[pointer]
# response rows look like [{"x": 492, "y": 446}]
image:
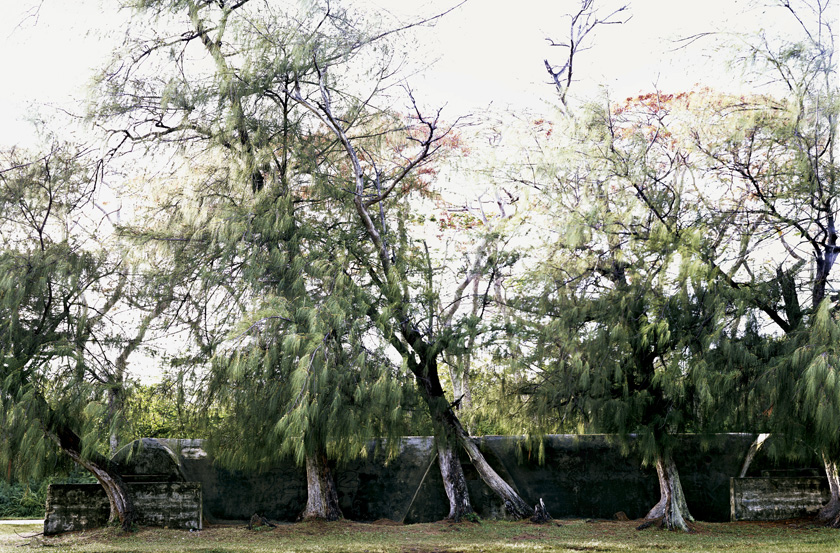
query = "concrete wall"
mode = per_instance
[
  {"x": 79, "y": 506},
  {"x": 777, "y": 498},
  {"x": 582, "y": 476}
]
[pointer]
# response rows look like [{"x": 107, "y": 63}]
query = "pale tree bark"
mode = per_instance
[
  {"x": 671, "y": 511},
  {"x": 321, "y": 496},
  {"x": 830, "y": 512},
  {"x": 454, "y": 482},
  {"x": 753, "y": 451},
  {"x": 460, "y": 365},
  {"x": 116, "y": 391}
]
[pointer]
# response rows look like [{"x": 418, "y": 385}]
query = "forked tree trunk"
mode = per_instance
[
  {"x": 515, "y": 506},
  {"x": 321, "y": 494},
  {"x": 830, "y": 513},
  {"x": 672, "y": 511},
  {"x": 446, "y": 421},
  {"x": 454, "y": 481}
]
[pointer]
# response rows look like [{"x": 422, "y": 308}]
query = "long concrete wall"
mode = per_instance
[{"x": 581, "y": 476}]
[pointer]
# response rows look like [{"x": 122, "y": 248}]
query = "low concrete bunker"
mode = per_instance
[{"x": 81, "y": 506}]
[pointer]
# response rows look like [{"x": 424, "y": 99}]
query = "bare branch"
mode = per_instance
[{"x": 582, "y": 23}]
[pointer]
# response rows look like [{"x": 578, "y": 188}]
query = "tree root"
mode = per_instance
[
  {"x": 541, "y": 515},
  {"x": 658, "y": 522},
  {"x": 257, "y": 521}
]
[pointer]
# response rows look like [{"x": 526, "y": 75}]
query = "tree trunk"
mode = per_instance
[
  {"x": 114, "y": 407},
  {"x": 830, "y": 513},
  {"x": 122, "y": 507},
  {"x": 454, "y": 481},
  {"x": 672, "y": 510},
  {"x": 447, "y": 421},
  {"x": 105, "y": 472},
  {"x": 515, "y": 506},
  {"x": 321, "y": 493},
  {"x": 753, "y": 451}
]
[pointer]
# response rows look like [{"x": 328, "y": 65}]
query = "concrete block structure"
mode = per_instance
[
  {"x": 82, "y": 506},
  {"x": 777, "y": 498}
]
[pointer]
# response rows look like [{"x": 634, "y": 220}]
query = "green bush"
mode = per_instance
[
  {"x": 23, "y": 500},
  {"x": 27, "y": 500}
]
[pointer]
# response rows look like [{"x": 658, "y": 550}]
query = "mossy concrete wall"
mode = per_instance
[
  {"x": 73, "y": 507},
  {"x": 579, "y": 476},
  {"x": 777, "y": 498}
]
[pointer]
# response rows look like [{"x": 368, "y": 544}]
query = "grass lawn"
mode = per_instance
[{"x": 488, "y": 537}]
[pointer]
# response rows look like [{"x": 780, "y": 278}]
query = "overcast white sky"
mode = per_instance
[{"x": 487, "y": 50}]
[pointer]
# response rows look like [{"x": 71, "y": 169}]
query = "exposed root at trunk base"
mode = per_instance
[
  {"x": 671, "y": 511},
  {"x": 662, "y": 525},
  {"x": 830, "y": 513},
  {"x": 541, "y": 515}
]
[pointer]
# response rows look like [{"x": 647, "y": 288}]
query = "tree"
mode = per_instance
[
  {"x": 620, "y": 308},
  {"x": 777, "y": 158},
  {"x": 385, "y": 257},
  {"x": 55, "y": 297},
  {"x": 250, "y": 114}
]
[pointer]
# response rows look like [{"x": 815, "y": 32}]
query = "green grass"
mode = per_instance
[{"x": 485, "y": 537}]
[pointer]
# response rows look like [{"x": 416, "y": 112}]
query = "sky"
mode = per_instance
[{"x": 485, "y": 52}]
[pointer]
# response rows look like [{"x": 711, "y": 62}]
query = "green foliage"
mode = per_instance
[
  {"x": 276, "y": 298},
  {"x": 22, "y": 501},
  {"x": 47, "y": 317},
  {"x": 161, "y": 410}
]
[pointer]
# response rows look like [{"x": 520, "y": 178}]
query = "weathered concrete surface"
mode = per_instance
[
  {"x": 79, "y": 506},
  {"x": 584, "y": 476},
  {"x": 380, "y": 487},
  {"x": 228, "y": 495},
  {"x": 777, "y": 498},
  {"x": 75, "y": 507}
]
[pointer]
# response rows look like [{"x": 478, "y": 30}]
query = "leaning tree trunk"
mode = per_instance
[
  {"x": 515, "y": 506},
  {"x": 428, "y": 382},
  {"x": 122, "y": 507},
  {"x": 454, "y": 481},
  {"x": 321, "y": 493},
  {"x": 752, "y": 452},
  {"x": 672, "y": 511},
  {"x": 830, "y": 513}
]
